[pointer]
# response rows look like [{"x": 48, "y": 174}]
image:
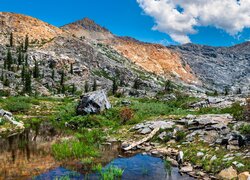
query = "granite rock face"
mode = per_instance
[{"x": 219, "y": 67}]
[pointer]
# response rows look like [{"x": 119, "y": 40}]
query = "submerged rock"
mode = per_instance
[{"x": 93, "y": 103}]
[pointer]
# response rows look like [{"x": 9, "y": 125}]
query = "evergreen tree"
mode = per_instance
[
  {"x": 9, "y": 60},
  {"x": 86, "y": 87},
  {"x": 26, "y": 43},
  {"x": 36, "y": 72},
  {"x": 94, "y": 85},
  {"x": 136, "y": 84},
  {"x": 71, "y": 69},
  {"x": 19, "y": 58},
  {"x": 226, "y": 91},
  {"x": 27, "y": 83},
  {"x": 114, "y": 86},
  {"x": 168, "y": 86},
  {"x": 62, "y": 78},
  {"x": 73, "y": 90},
  {"x": 239, "y": 91},
  {"x": 215, "y": 93},
  {"x": 5, "y": 64},
  {"x": 23, "y": 73},
  {"x": 6, "y": 82},
  {"x": 53, "y": 74},
  {"x": 2, "y": 76},
  {"x": 11, "y": 39},
  {"x": 63, "y": 89},
  {"x": 26, "y": 60}
]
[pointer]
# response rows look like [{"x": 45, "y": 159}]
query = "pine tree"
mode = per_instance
[
  {"x": 11, "y": 39},
  {"x": 9, "y": 60},
  {"x": 168, "y": 86},
  {"x": 53, "y": 74},
  {"x": 73, "y": 89},
  {"x": 19, "y": 58},
  {"x": 239, "y": 91},
  {"x": 6, "y": 82},
  {"x": 26, "y": 60},
  {"x": 2, "y": 76},
  {"x": 114, "y": 86},
  {"x": 226, "y": 91},
  {"x": 27, "y": 83},
  {"x": 5, "y": 64},
  {"x": 94, "y": 85},
  {"x": 86, "y": 87},
  {"x": 36, "y": 72},
  {"x": 136, "y": 84},
  {"x": 71, "y": 69},
  {"x": 26, "y": 43},
  {"x": 23, "y": 73},
  {"x": 62, "y": 78}
]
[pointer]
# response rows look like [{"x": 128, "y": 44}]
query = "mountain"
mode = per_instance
[
  {"x": 219, "y": 67},
  {"x": 87, "y": 28},
  {"x": 215, "y": 68},
  {"x": 153, "y": 58},
  {"x": 84, "y": 51},
  {"x": 65, "y": 61},
  {"x": 39, "y": 32}
]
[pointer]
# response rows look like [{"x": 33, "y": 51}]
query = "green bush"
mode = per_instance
[
  {"x": 245, "y": 129},
  {"x": 180, "y": 135},
  {"x": 17, "y": 105}
]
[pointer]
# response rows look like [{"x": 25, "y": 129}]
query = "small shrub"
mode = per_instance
[
  {"x": 247, "y": 110},
  {"x": 17, "y": 105},
  {"x": 126, "y": 114},
  {"x": 245, "y": 129},
  {"x": 180, "y": 135}
]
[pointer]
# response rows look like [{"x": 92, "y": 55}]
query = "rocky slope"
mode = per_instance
[
  {"x": 153, "y": 58},
  {"x": 95, "y": 53},
  {"x": 50, "y": 45},
  {"x": 39, "y": 32},
  {"x": 219, "y": 67}
]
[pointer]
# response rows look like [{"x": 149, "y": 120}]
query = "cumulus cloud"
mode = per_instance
[{"x": 179, "y": 18}]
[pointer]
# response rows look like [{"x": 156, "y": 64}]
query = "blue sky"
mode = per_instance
[{"x": 122, "y": 17}]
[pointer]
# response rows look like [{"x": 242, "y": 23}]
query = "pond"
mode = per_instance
[
  {"x": 138, "y": 167},
  {"x": 27, "y": 156}
]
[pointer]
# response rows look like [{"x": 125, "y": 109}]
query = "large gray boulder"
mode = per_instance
[{"x": 93, "y": 103}]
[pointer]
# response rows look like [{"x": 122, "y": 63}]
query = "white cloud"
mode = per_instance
[{"x": 178, "y": 18}]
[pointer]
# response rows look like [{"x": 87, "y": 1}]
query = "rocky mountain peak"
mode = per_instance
[{"x": 21, "y": 25}]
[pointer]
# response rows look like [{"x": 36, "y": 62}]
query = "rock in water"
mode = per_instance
[
  {"x": 179, "y": 157},
  {"x": 93, "y": 103}
]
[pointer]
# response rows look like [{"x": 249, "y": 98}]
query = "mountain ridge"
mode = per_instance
[{"x": 199, "y": 65}]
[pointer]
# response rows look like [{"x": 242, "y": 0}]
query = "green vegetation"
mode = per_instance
[
  {"x": 168, "y": 166},
  {"x": 245, "y": 129},
  {"x": 207, "y": 163},
  {"x": 109, "y": 173}
]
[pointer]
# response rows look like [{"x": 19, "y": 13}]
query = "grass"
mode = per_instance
[
  {"x": 109, "y": 173},
  {"x": 245, "y": 129},
  {"x": 72, "y": 149},
  {"x": 168, "y": 166},
  {"x": 215, "y": 166}
]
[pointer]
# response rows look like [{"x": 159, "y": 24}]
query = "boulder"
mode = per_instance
[
  {"x": 244, "y": 176},
  {"x": 186, "y": 169},
  {"x": 93, "y": 103},
  {"x": 229, "y": 173},
  {"x": 5, "y": 115}
]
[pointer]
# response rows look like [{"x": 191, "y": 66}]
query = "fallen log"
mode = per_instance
[{"x": 150, "y": 136}]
